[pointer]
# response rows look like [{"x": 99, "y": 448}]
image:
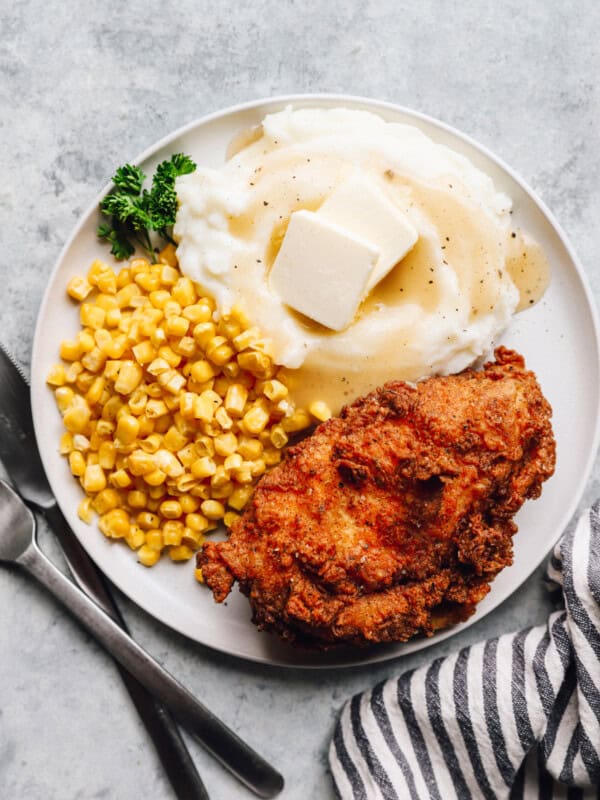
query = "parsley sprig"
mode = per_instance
[{"x": 134, "y": 211}]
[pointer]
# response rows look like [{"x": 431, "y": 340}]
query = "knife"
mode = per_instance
[{"x": 20, "y": 456}]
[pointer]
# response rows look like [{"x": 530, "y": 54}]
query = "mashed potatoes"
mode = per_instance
[{"x": 439, "y": 308}]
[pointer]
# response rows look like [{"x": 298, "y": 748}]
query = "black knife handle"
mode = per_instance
[{"x": 160, "y": 725}]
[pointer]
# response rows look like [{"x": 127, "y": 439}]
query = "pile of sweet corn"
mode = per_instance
[{"x": 171, "y": 411}]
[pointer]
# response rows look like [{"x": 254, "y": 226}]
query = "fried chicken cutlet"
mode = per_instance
[{"x": 392, "y": 520}]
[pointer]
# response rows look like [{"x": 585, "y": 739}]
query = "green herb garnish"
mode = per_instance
[{"x": 134, "y": 212}]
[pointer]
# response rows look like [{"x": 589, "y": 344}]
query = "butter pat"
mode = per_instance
[
  {"x": 322, "y": 270},
  {"x": 358, "y": 205}
]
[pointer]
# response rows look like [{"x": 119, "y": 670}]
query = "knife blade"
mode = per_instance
[{"x": 21, "y": 459}]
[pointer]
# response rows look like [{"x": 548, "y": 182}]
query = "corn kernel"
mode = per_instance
[
  {"x": 64, "y": 396},
  {"x": 218, "y": 350},
  {"x": 108, "y": 302},
  {"x": 147, "y": 556},
  {"x": 171, "y": 381},
  {"x": 239, "y": 497},
  {"x": 229, "y": 518},
  {"x": 172, "y": 309},
  {"x": 155, "y": 409},
  {"x": 77, "y": 417},
  {"x": 130, "y": 376},
  {"x": 96, "y": 268},
  {"x": 120, "y": 479},
  {"x": 104, "y": 427},
  {"x": 205, "y": 405},
  {"x": 225, "y": 444},
  {"x": 278, "y": 436},
  {"x": 94, "y": 393},
  {"x": 94, "y": 479},
  {"x": 148, "y": 281},
  {"x": 275, "y": 390},
  {"x": 113, "y": 318},
  {"x": 258, "y": 364},
  {"x": 154, "y": 539},
  {"x": 246, "y": 339},
  {"x": 235, "y": 399},
  {"x": 86, "y": 341},
  {"x": 107, "y": 281},
  {"x": 170, "y": 509},
  {"x": 185, "y": 346},
  {"x": 168, "y": 275},
  {"x": 159, "y": 297},
  {"x": 155, "y": 478},
  {"x": 249, "y": 448},
  {"x": 56, "y": 376},
  {"x": 173, "y": 440},
  {"x": 192, "y": 538},
  {"x": 84, "y": 510},
  {"x": 231, "y": 369},
  {"x": 180, "y": 553},
  {"x": 168, "y": 463},
  {"x": 183, "y": 292},
  {"x": 203, "y": 332},
  {"x": 78, "y": 288},
  {"x": 272, "y": 457},
  {"x": 135, "y": 538},
  {"x": 202, "y": 371},
  {"x": 297, "y": 422},
  {"x": 105, "y": 501},
  {"x": 173, "y": 532},
  {"x": 258, "y": 467},
  {"x": 189, "y": 504},
  {"x": 255, "y": 420},
  {"x": 177, "y": 326},
  {"x": 197, "y": 522},
  {"x": 143, "y": 352},
  {"x": 66, "y": 443},
  {"x": 81, "y": 443},
  {"x": 91, "y": 316},
  {"x": 244, "y": 473},
  {"x": 115, "y": 523},
  {"x": 198, "y": 575},
  {"x": 203, "y": 467},
  {"x": 107, "y": 455},
  {"x": 140, "y": 463},
  {"x": 320, "y": 410},
  {"x": 137, "y": 499},
  {"x": 198, "y": 312},
  {"x": 232, "y": 462},
  {"x": 200, "y": 490},
  {"x": 146, "y": 520},
  {"x": 84, "y": 381},
  {"x": 73, "y": 371},
  {"x": 77, "y": 463},
  {"x": 70, "y": 350},
  {"x": 128, "y": 428},
  {"x": 213, "y": 509},
  {"x": 223, "y": 419}
]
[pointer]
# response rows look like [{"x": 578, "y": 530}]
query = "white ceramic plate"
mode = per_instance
[{"x": 558, "y": 337}]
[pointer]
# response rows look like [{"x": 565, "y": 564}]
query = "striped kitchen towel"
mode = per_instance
[{"x": 513, "y": 717}]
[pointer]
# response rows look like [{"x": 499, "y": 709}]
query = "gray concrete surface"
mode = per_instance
[{"x": 85, "y": 86}]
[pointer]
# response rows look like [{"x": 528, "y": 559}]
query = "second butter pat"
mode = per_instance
[
  {"x": 360, "y": 206},
  {"x": 322, "y": 270}
]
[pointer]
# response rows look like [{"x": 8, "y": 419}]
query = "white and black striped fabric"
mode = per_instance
[{"x": 513, "y": 717}]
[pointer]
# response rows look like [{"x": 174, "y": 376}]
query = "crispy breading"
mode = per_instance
[{"x": 391, "y": 520}]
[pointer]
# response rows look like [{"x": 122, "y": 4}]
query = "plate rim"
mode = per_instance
[{"x": 374, "y": 105}]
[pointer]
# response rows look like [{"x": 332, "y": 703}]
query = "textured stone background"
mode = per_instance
[{"x": 85, "y": 86}]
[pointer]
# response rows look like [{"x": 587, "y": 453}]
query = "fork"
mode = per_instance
[{"x": 18, "y": 545}]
